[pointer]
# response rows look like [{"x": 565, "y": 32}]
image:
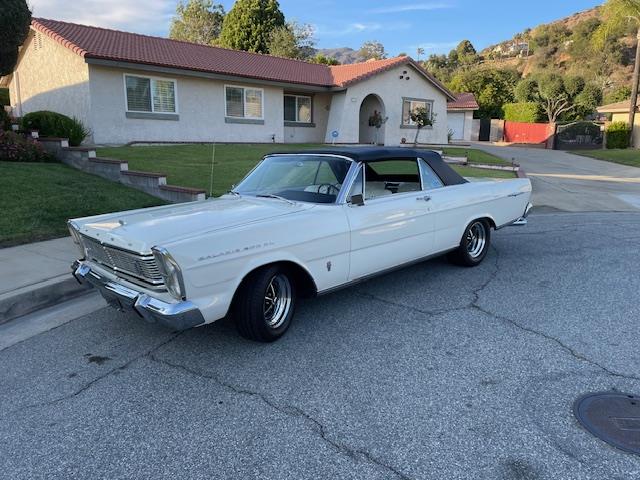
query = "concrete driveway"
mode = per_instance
[
  {"x": 573, "y": 183},
  {"x": 431, "y": 372}
]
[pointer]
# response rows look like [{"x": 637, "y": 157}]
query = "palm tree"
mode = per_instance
[{"x": 617, "y": 12}]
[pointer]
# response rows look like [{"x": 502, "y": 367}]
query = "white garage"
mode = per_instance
[
  {"x": 455, "y": 124},
  {"x": 460, "y": 116}
]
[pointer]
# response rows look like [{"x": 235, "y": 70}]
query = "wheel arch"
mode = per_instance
[
  {"x": 302, "y": 278},
  {"x": 483, "y": 216}
]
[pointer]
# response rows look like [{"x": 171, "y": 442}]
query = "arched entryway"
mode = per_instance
[{"x": 372, "y": 112}]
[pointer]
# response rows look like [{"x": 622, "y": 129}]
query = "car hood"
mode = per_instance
[{"x": 139, "y": 230}]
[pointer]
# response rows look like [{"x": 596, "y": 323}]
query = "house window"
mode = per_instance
[
  {"x": 297, "y": 108},
  {"x": 410, "y": 105},
  {"x": 243, "y": 102},
  {"x": 151, "y": 95}
]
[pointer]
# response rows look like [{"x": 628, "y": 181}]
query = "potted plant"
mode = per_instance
[{"x": 377, "y": 120}]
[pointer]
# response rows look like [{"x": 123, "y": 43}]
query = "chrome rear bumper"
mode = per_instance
[
  {"x": 178, "y": 316},
  {"x": 523, "y": 219}
]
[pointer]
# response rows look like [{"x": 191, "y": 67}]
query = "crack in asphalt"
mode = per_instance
[
  {"x": 475, "y": 305},
  {"x": 290, "y": 411},
  {"x": 97, "y": 379},
  {"x": 574, "y": 353}
]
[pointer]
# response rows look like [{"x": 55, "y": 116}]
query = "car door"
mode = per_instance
[{"x": 392, "y": 225}]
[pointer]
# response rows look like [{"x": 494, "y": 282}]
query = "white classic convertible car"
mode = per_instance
[{"x": 298, "y": 225}]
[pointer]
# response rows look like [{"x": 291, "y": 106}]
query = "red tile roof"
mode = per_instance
[
  {"x": 464, "y": 101},
  {"x": 105, "y": 44}
]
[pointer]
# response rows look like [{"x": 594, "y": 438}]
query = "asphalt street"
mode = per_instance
[{"x": 432, "y": 372}]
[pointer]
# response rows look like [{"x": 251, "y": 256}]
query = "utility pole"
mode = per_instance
[{"x": 634, "y": 90}]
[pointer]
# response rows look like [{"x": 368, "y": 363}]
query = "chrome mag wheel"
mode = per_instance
[
  {"x": 476, "y": 239},
  {"x": 277, "y": 300}
]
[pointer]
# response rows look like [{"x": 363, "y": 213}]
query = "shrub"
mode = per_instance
[
  {"x": 16, "y": 148},
  {"x": 5, "y": 120},
  {"x": 618, "y": 135},
  {"x": 52, "y": 124},
  {"x": 527, "y": 112},
  {"x": 4, "y": 97}
]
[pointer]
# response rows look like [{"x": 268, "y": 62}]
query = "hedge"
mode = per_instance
[
  {"x": 52, "y": 124},
  {"x": 527, "y": 112},
  {"x": 618, "y": 135}
]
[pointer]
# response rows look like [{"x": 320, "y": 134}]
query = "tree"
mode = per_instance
[
  {"x": 616, "y": 12},
  {"x": 292, "y": 41},
  {"x": 558, "y": 96},
  {"x": 422, "y": 118},
  {"x": 466, "y": 53},
  {"x": 587, "y": 100},
  {"x": 197, "y": 21},
  {"x": 249, "y": 24},
  {"x": 492, "y": 87},
  {"x": 619, "y": 94},
  {"x": 320, "y": 58},
  {"x": 372, "y": 50},
  {"x": 15, "y": 18}
]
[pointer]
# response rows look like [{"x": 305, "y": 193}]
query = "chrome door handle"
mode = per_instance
[{"x": 426, "y": 198}]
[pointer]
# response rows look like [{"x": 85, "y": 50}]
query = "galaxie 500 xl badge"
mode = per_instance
[{"x": 236, "y": 250}]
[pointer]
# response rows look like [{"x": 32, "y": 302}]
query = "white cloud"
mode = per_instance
[
  {"x": 358, "y": 27},
  {"x": 140, "y": 16},
  {"x": 412, "y": 7}
]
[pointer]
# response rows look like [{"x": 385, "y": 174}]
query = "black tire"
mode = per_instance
[
  {"x": 251, "y": 312},
  {"x": 474, "y": 245}
]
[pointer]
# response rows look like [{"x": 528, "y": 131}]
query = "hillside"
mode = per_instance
[
  {"x": 565, "y": 45},
  {"x": 344, "y": 55}
]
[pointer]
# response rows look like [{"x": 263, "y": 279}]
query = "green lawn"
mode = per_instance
[
  {"x": 473, "y": 155},
  {"x": 628, "y": 156},
  {"x": 37, "y": 199},
  {"x": 190, "y": 165}
]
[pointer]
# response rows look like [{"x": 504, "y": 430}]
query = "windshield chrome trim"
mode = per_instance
[
  {"x": 349, "y": 179},
  {"x": 342, "y": 195}
]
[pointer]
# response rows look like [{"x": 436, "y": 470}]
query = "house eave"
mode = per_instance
[{"x": 208, "y": 75}]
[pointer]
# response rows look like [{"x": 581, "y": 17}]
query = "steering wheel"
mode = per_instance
[{"x": 328, "y": 187}]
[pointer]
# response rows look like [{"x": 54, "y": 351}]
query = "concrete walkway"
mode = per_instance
[
  {"x": 574, "y": 183},
  {"x": 35, "y": 276}
]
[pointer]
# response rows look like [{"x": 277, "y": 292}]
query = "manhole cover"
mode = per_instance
[{"x": 611, "y": 416}]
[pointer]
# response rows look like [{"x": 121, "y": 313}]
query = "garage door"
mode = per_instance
[{"x": 455, "y": 122}]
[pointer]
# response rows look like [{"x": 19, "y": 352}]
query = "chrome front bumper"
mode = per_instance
[{"x": 178, "y": 316}]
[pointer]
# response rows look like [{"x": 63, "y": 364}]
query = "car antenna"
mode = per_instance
[{"x": 213, "y": 157}]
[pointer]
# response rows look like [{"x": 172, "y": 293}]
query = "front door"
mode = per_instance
[{"x": 394, "y": 225}]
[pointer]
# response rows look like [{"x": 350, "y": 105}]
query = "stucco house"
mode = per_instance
[
  {"x": 127, "y": 87},
  {"x": 460, "y": 116},
  {"x": 620, "y": 113}
]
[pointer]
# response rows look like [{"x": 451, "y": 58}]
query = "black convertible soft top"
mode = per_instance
[{"x": 372, "y": 154}]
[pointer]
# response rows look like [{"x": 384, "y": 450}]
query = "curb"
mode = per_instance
[
  {"x": 41, "y": 295},
  {"x": 520, "y": 173}
]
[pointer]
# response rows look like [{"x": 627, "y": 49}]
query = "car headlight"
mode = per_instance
[
  {"x": 170, "y": 272},
  {"x": 74, "y": 230}
]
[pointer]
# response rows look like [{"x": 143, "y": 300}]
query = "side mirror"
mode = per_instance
[{"x": 357, "y": 200}]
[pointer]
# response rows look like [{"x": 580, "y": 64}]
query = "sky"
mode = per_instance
[{"x": 400, "y": 25}]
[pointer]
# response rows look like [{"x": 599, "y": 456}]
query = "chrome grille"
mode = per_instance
[{"x": 141, "y": 267}]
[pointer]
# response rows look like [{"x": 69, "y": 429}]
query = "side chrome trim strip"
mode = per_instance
[{"x": 384, "y": 272}]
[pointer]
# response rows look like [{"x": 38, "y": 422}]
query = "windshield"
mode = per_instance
[{"x": 306, "y": 178}]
